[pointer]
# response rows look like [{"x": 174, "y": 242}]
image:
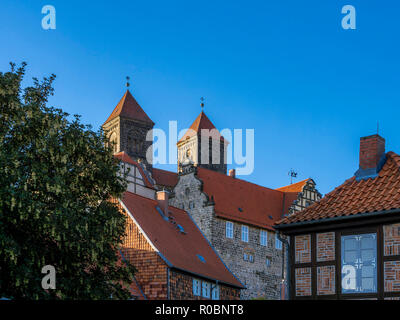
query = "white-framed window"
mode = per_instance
[
  {"x": 245, "y": 257},
  {"x": 251, "y": 258},
  {"x": 359, "y": 263},
  {"x": 196, "y": 287},
  {"x": 263, "y": 238},
  {"x": 278, "y": 243},
  {"x": 206, "y": 289},
  {"x": 215, "y": 292},
  {"x": 245, "y": 233},
  {"x": 229, "y": 229}
]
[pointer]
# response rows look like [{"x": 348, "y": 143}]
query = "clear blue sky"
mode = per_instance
[{"x": 285, "y": 68}]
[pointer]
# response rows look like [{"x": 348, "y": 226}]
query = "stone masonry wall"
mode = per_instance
[
  {"x": 260, "y": 279},
  {"x": 188, "y": 196}
]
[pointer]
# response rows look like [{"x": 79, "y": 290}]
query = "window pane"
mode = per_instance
[
  {"x": 367, "y": 255},
  {"x": 359, "y": 263},
  {"x": 350, "y": 256}
]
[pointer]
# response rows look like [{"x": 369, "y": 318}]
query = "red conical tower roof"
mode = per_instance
[
  {"x": 201, "y": 122},
  {"x": 129, "y": 108}
]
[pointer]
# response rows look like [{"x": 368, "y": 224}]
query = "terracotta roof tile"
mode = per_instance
[
  {"x": 165, "y": 178},
  {"x": 201, "y": 122},
  {"x": 129, "y": 108},
  {"x": 256, "y": 203},
  {"x": 180, "y": 250},
  {"x": 295, "y": 187},
  {"x": 355, "y": 197}
]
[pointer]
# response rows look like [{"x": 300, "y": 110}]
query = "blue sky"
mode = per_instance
[{"x": 287, "y": 69}]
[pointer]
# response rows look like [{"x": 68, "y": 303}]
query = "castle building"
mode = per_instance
[{"x": 235, "y": 216}]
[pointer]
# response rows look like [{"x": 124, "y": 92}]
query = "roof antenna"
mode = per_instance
[
  {"x": 202, "y": 103},
  {"x": 292, "y": 175},
  {"x": 127, "y": 81},
  {"x": 377, "y": 128}
]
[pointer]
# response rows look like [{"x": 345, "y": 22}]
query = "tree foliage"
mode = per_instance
[{"x": 56, "y": 179}]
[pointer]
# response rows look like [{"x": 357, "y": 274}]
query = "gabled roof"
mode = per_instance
[
  {"x": 179, "y": 250},
  {"x": 355, "y": 197},
  {"x": 295, "y": 187},
  {"x": 123, "y": 156},
  {"x": 242, "y": 201},
  {"x": 165, "y": 178},
  {"x": 129, "y": 108},
  {"x": 201, "y": 122}
]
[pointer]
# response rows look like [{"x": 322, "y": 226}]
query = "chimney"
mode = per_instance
[
  {"x": 162, "y": 199},
  {"x": 372, "y": 156},
  {"x": 232, "y": 173}
]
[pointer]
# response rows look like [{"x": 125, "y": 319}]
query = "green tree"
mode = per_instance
[{"x": 56, "y": 180}]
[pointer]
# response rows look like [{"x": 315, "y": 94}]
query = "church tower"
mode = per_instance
[
  {"x": 127, "y": 128},
  {"x": 203, "y": 146}
]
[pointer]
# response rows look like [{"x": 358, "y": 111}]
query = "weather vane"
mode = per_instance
[
  {"x": 127, "y": 81},
  {"x": 292, "y": 175},
  {"x": 202, "y": 103}
]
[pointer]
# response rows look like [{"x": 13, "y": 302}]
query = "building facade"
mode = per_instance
[
  {"x": 347, "y": 246},
  {"x": 172, "y": 257},
  {"x": 235, "y": 216}
]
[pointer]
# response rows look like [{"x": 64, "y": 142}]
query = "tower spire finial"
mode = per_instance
[
  {"x": 202, "y": 103},
  {"x": 127, "y": 81}
]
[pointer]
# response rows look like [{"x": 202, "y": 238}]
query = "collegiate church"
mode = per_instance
[{"x": 199, "y": 232}]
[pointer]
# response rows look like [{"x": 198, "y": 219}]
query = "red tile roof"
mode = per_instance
[
  {"x": 129, "y": 108},
  {"x": 242, "y": 201},
  {"x": 201, "y": 122},
  {"x": 165, "y": 178},
  {"x": 179, "y": 250},
  {"x": 355, "y": 197},
  {"x": 123, "y": 156},
  {"x": 295, "y": 187}
]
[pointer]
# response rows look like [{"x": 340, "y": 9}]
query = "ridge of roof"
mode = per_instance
[
  {"x": 128, "y": 107},
  {"x": 201, "y": 122},
  {"x": 294, "y": 187},
  {"x": 354, "y": 197}
]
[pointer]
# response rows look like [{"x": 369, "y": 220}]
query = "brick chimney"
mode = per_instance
[
  {"x": 372, "y": 156},
  {"x": 162, "y": 199},
  {"x": 232, "y": 173}
]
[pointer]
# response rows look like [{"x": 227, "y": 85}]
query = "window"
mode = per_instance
[
  {"x": 268, "y": 262},
  {"x": 196, "y": 287},
  {"x": 278, "y": 243},
  {"x": 229, "y": 229},
  {"x": 215, "y": 292},
  {"x": 251, "y": 258},
  {"x": 263, "y": 238},
  {"x": 359, "y": 263},
  {"x": 245, "y": 257},
  {"x": 245, "y": 233},
  {"x": 206, "y": 289}
]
